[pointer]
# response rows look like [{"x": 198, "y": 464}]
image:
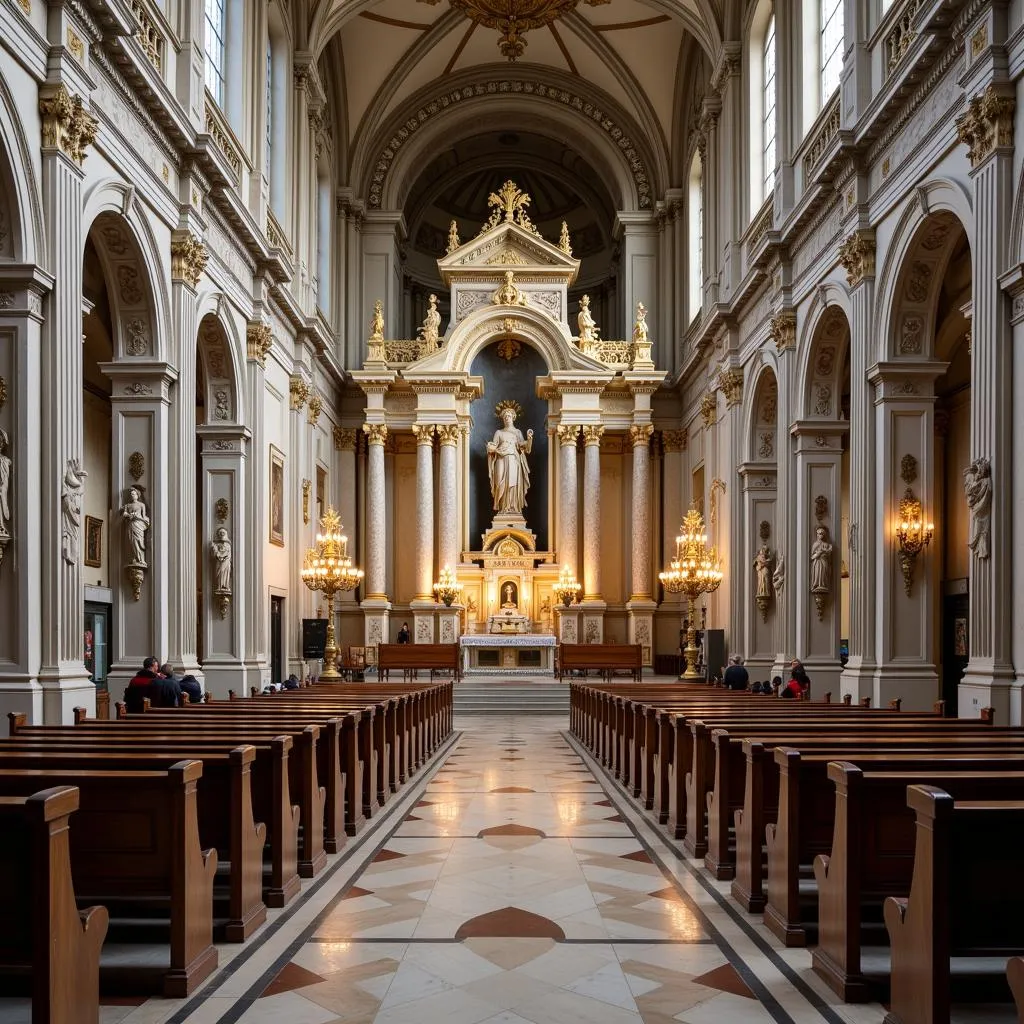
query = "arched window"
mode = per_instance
[
  {"x": 216, "y": 29},
  {"x": 761, "y": 99},
  {"x": 695, "y": 233},
  {"x": 830, "y": 47}
]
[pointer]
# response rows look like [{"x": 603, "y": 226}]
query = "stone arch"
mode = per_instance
[
  {"x": 825, "y": 348},
  {"x": 914, "y": 265},
  {"x": 763, "y": 416},
  {"x": 216, "y": 373},
  {"x": 22, "y": 235},
  {"x": 227, "y": 367},
  {"x": 133, "y": 268}
]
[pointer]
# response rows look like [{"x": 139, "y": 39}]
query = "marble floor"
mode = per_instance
[{"x": 508, "y": 885}]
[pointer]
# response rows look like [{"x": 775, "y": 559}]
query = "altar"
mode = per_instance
[{"x": 528, "y": 654}]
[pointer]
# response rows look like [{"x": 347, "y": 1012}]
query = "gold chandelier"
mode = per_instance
[{"x": 514, "y": 17}]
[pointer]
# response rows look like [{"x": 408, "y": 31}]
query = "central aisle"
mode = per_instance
[{"x": 512, "y": 892}]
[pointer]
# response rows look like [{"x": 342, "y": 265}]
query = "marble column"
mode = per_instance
[
  {"x": 568, "y": 496},
  {"x": 68, "y": 130},
  {"x": 641, "y": 603},
  {"x": 448, "y": 512},
  {"x": 594, "y": 605},
  {"x": 345, "y": 490},
  {"x": 303, "y": 602},
  {"x": 675, "y": 480},
  {"x": 375, "y": 604},
  {"x": 423, "y": 603}
]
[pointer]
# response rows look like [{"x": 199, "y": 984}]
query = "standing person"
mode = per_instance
[
  {"x": 736, "y": 677},
  {"x": 799, "y": 685},
  {"x": 403, "y": 634}
]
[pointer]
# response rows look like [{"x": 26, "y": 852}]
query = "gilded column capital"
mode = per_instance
[
  {"x": 731, "y": 383},
  {"x": 424, "y": 432},
  {"x": 640, "y": 435},
  {"x": 344, "y": 439},
  {"x": 674, "y": 440},
  {"x": 857, "y": 255},
  {"x": 298, "y": 391},
  {"x": 188, "y": 258},
  {"x": 709, "y": 408},
  {"x": 592, "y": 435},
  {"x": 986, "y": 124},
  {"x": 376, "y": 433},
  {"x": 782, "y": 330},
  {"x": 568, "y": 434},
  {"x": 316, "y": 406},
  {"x": 448, "y": 434},
  {"x": 259, "y": 340},
  {"x": 67, "y": 125}
]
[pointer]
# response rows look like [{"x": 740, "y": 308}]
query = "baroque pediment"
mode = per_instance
[{"x": 507, "y": 246}]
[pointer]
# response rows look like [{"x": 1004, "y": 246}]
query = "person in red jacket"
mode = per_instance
[{"x": 799, "y": 685}]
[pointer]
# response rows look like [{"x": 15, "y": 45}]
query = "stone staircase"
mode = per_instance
[{"x": 516, "y": 696}]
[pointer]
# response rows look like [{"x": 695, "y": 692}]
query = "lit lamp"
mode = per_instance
[
  {"x": 913, "y": 535},
  {"x": 567, "y": 588},
  {"x": 328, "y": 569},
  {"x": 447, "y": 588},
  {"x": 695, "y": 570}
]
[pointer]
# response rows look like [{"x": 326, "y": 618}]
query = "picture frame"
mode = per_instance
[
  {"x": 93, "y": 542},
  {"x": 960, "y": 637},
  {"x": 276, "y": 510}
]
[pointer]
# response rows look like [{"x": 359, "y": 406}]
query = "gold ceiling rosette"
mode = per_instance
[{"x": 514, "y": 17}]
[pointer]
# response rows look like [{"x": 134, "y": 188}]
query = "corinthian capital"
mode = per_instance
[
  {"x": 857, "y": 255},
  {"x": 376, "y": 433},
  {"x": 568, "y": 434},
  {"x": 188, "y": 257},
  {"x": 640, "y": 435},
  {"x": 731, "y": 383},
  {"x": 316, "y": 405},
  {"x": 67, "y": 125},
  {"x": 259, "y": 340},
  {"x": 782, "y": 329},
  {"x": 592, "y": 435},
  {"x": 448, "y": 434},
  {"x": 986, "y": 124},
  {"x": 298, "y": 391}
]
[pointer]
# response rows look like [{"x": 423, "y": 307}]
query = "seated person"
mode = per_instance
[
  {"x": 756, "y": 688},
  {"x": 190, "y": 685},
  {"x": 799, "y": 685},
  {"x": 193, "y": 689},
  {"x": 292, "y": 682},
  {"x": 139, "y": 685},
  {"x": 736, "y": 677}
]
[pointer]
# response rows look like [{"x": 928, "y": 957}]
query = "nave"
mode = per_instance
[{"x": 509, "y": 885}]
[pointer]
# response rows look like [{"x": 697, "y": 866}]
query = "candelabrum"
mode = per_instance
[
  {"x": 567, "y": 589},
  {"x": 913, "y": 535},
  {"x": 695, "y": 570},
  {"x": 447, "y": 588},
  {"x": 328, "y": 568}
]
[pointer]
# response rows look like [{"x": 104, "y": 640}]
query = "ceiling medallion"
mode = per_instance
[{"x": 514, "y": 17}]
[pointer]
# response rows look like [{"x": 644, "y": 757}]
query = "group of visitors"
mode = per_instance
[
  {"x": 798, "y": 687},
  {"x": 161, "y": 685}
]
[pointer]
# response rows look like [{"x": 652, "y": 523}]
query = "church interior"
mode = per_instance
[{"x": 431, "y": 430}]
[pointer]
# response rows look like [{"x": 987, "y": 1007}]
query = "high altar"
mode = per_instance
[{"x": 508, "y": 395}]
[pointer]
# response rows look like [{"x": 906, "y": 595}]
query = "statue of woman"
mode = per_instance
[
  {"x": 640, "y": 327},
  {"x": 71, "y": 510},
  {"x": 507, "y": 466},
  {"x": 430, "y": 332},
  {"x": 221, "y": 551},
  {"x": 978, "y": 491},
  {"x": 5, "y": 484},
  {"x": 137, "y": 522},
  {"x": 585, "y": 322},
  {"x": 821, "y": 562},
  {"x": 762, "y": 564}
]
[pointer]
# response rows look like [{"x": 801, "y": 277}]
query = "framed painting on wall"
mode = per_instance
[
  {"x": 93, "y": 541},
  {"x": 276, "y": 496}
]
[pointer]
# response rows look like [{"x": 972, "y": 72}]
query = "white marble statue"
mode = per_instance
[
  {"x": 779, "y": 577},
  {"x": 71, "y": 510},
  {"x": 821, "y": 562},
  {"x": 978, "y": 490},
  {"x": 762, "y": 566},
  {"x": 133, "y": 513},
  {"x": 588, "y": 330},
  {"x": 5, "y": 484},
  {"x": 220, "y": 548},
  {"x": 507, "y": 466}
]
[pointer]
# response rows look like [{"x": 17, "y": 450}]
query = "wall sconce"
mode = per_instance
[{"x": 913, "y": 535}]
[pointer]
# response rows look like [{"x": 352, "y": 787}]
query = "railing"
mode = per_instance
[
  {"x": 821, "y": 142},
  {"x": 759, "y": 228},
  {"x": 901, "y": 35},
  {"x": 218, "y": 130},
  {"x": 150, "y": 37},
  {"x": 276, "y": 236},
  {"x": 613, "y": 353}
]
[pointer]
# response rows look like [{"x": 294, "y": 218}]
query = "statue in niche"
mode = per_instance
[
  {"x": 762, "y": 566},
  {"x": 5, "y": 484},
  {"x": 507, "y": 467},
  {"x": 978, "y": 491},
  {"x": 220, "y": 548},
  {"x": 821, "y": 562},
  {"x": 588, "y": 330},
  {"x": 133, "y": 513},
  {"x": 510, "y": 597},
  {"x": 71, "y": 510}
]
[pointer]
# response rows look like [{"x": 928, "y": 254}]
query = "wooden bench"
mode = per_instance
[
  {"x": 46, "y": 941},
  {"x": 966, "y": 901},
  {"x": 1015, "y": 979},
  {"x": 604, "y": 658},
  {"x": 135, "y": 850},
  {"x": 411, "y": 658}
]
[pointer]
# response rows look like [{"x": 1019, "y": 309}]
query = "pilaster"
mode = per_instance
[
  {"x": 298, "y": 484},
  {"x": 762, "y": 528}
]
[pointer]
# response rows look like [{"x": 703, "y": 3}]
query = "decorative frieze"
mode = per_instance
[
  {"x": 782, "y": 330},
  {"x": 259, "y": 340},
  {"x": 188, "y": 258},
  {"x": 857, "y": 255},
  {"x": 67, "y": 125},
  {"x": 986, "y": 124}
]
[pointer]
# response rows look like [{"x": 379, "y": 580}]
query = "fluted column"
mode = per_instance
[
  {"x": 592, "y": 513},
  {"x": 640, "y": 438},
  {"x": 448, "y": 513},
  {"x": 568, "y": 516},
  {"x": 376, "y": 435},
  {"x": 345, "y": 446},
  {"x": 424, "y": 510}
]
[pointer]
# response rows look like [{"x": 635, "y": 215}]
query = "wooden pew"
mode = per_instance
[
  {"x": 135, "y": 850},
  {"x": 873, "y": 856},
  {"x": 605, "y": 658},
  {"x": 1015, "y": 979},
  {"x": 966, "y": 901},
  {"x": 414, "y": 657},
  {"x": 46, "y": 941}
]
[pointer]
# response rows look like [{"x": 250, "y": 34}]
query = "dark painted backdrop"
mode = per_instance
[{"x": 515, "y": 379}]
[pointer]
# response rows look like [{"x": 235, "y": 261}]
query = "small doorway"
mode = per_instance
[
  {"x": 955, "y": 646},
  {"x": 276, "y": 639},
  {"x": 96, "y": 652}
]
